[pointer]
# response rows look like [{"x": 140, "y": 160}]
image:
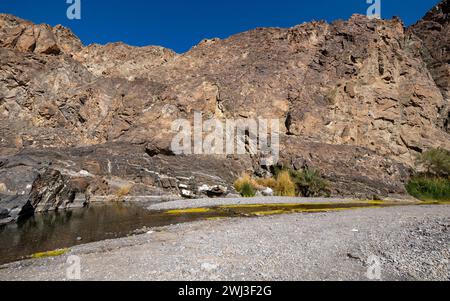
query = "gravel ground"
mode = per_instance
[
  {"x": 412, "y": 243},
  {"x": 184, "y": 204}
]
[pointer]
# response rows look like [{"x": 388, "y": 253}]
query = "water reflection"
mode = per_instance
[{"x": 50, "y": 231}]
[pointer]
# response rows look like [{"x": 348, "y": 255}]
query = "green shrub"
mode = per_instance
[
  {"x": 243, "y": 179},
  {"x": 247, "y": 190},
  {"x": 310, "y": 183},
  {"x": 429, "y": 188},
  {"x": 277, "y": 169},
  {"x": 437, "y": 161}
]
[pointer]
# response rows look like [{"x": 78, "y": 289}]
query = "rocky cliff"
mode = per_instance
[{"x": 358, "y": 100}]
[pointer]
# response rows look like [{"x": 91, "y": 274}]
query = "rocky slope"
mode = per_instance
[
  {"x": 434, "y": 33},
  {"x": 358, "y": 100}
]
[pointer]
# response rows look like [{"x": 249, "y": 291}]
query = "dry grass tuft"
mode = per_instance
[
  {"x": 285, "y": 186},
  {"x": 123, "y": 191}
]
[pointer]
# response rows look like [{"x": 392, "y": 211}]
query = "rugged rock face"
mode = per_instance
[
  {"x": 358, "y": 100},
  {"x": 41, "y": 39},
  {"x": 434, "y": 34}
]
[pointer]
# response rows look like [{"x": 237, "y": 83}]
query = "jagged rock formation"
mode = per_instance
[
  {"x": 434, "y": 34},
  {"x": 358, "y": 100}
]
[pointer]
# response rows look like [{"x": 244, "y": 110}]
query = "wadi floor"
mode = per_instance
[{"x": 409, "y": 243}]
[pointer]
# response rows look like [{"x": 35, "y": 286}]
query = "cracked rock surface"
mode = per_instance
[{"x": 357, "y": 100}]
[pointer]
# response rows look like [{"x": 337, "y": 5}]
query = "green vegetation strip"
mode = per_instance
[{"x": 433, "y": 181}]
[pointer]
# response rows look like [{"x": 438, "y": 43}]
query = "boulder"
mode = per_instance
[
  {"x": 188, "y": 194},
  {"x": 12, "y": 207},
  {"x": 213, "y": 191},
  {"x": 52, "y": 191},
  {"x": 267, "y": 192},
  {"x": 4, "y": 213},
  {"x": 155, "y": 148}
]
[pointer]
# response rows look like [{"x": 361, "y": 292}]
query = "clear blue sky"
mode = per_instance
[{"x": 180, "y": 24}]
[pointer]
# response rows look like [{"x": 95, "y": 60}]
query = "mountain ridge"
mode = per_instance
[{"x": 359, "y": 99}]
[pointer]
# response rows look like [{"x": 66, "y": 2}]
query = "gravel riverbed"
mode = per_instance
[
  {"x": 208, "y": 202},
  {"x": 410, "y": 243}
]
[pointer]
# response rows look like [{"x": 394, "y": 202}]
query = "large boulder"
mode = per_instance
[
  {"x": 49, "y": 191},
  {"x": 52, "y": 191}
]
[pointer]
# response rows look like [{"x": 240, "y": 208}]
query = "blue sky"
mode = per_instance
[{"x": 180, "y": 24}]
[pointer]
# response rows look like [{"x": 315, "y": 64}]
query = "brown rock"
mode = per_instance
[
  {"x": 26, "y": 40},
  {"x": 46, "y": 41},
  {"x": 433, "y": 37},
  {"x": 355, "y": 98}
]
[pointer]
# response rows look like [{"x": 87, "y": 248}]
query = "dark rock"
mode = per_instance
[
  {"x": 14, "y": 206},
  {"x": 52, "y": 191},
  {"x": 213, "y": 191},
  {"x": 4, "y": 213},
  {"x": 158, "y": 148},
  {"x": 6, "y": 220},
  {"x": 217, "y": 191}
]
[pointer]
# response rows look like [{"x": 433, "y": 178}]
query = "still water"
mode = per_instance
[{"x": 55, "y": 230}]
